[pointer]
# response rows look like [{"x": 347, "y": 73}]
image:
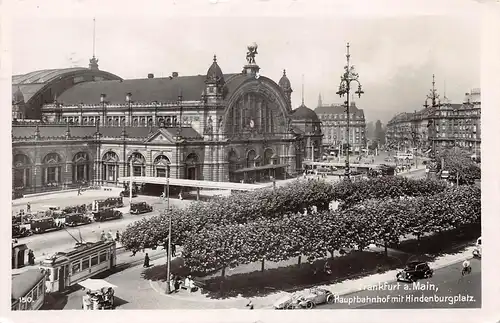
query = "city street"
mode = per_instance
[
  {"x": 447, "y": 281},
  {"x": 51, "y": 242}
]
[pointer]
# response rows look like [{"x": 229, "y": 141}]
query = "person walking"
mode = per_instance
[
  {"x": 31, "y": 258},
  {"x": 28, "y": 207},
  {"x": 117, "y": 236},
  {"x": 103, "y": 235},
  {"x": 146, "y": 261}
]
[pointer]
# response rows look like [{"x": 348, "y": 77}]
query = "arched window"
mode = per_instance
[
  {"x": 136, "y": 122},
  {"x": 52, "y": 165},
  {"x": 251, "y": 155},
  {"x": 110, "y": 167},
  {"x": 138, "y": 163},
  {"x": 22, "y": 171},
  {"x": 268, "y": 156},
  {"x": 192, "y": 167},
  {"x": 81, "y": 167},
  {"x": 162, "y": 166}
]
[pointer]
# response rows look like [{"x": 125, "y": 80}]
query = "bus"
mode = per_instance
[
  {"x": 28, "y": 290},
  {"x": 85, "y": 260}
]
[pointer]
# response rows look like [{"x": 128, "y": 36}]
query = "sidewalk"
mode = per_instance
[{"x": 347, "y": 286}]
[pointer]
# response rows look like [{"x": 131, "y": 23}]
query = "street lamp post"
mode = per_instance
[
  {"x": 130, "y": 182},
  {"x": 169, "y": 243},
  {"x": 346, "y": 79}
]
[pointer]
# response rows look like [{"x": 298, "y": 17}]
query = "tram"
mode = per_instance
[
  {"x": 85, "y": 260},
  {"x": 28, "y": 290}
]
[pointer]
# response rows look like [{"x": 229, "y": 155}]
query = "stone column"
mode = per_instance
[{"x": 207, "y": 163}]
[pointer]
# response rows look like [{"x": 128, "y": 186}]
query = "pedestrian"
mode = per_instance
[
  {"x": 28, "y": 207},
  {"x": 172, "y": 282},
  {"x": 180, "y": 196},
  {"x": 250, "y": 305},
  {"x": 110, "y": 236},
  {"x": 146, "y": 261},
  {"x": 117, "y": 236},
  {"x": 188, "y": 283},
  {"x": 177, "y": 283},
  {"x": 79, "y": 190},
  {"x": 86, "y": 301},
  {"x": 31, "y": 257},
  {"x": 103, "y": 235}
]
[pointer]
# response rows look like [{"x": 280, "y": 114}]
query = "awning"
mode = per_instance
[
  {"x": 95, "y": 284},
  {"x": 250, "y": 169}
]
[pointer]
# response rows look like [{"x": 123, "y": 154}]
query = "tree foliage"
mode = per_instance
[{"x": 458, "y": 162}]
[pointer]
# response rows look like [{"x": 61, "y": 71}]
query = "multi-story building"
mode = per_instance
[
  {"x": 441, "y": 125},
  {"x": 92, "y": 126},
  {"x": 334, "y": 125}
]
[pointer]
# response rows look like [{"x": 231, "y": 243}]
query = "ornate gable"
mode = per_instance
[{"x": 160, "y": 136}]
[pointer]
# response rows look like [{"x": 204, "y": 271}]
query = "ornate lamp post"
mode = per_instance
[
  {"x": 433, "y": 96},
  {"x": 346, "y": 79}
]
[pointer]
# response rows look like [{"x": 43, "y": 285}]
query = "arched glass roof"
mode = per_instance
[{"x": 43, "y": 76}]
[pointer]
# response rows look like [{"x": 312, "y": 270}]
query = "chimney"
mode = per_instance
[
  {"x": 151, "y": 75},
  {"x": 175, "y": 74}
]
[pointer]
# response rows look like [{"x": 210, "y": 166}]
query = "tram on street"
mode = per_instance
[
  {"x": 28, "y": 290},
  {"x": 85, "y": 260}
]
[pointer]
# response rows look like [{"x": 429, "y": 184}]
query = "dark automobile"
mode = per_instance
[
  {"x": 414, "y": 271},
  {"x": 114, "y": 202},
  {"x": 126, "y": 193},
  {"x": 139, "y": 208},
  {"x": 106, "y": 214},
  {"x": 43, "y": 224},
  {"x": 74, "y": 219},
  {"x": 19, "y": 231}
]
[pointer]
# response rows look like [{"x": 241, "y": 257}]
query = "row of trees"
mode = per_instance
[
  {"x": 459, "y": 163},
  {"x": 320, "y": 234},
  {"x": 241, "y": 208}
]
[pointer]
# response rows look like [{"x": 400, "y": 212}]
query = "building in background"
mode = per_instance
[
  {"x": 93, "y": 126},
  {"x": 442, "y": 125},
  {"x": 333, "y": 119}
]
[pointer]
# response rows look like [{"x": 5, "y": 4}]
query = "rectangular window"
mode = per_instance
[
  {"x": 160, "y": 172},
  {"x": 85, "y": 263},
  {"x": 56, "y": 273},
  {"x": 94, "y": 260},
  {"x": 75, "y": 267},
  {"x": 103, "y": 257},
  {"x": 40, "y": 289},
  {"x": 51, "y": 174},
  {"x": 137, "y": 171},
  {"x": 35, "y": 293}
]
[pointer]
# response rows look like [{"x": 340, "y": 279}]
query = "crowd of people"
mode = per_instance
[{"x": 98, "y": 300}]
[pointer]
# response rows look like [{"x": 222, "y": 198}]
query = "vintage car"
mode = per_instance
[
  {"x": 43, "y": 224},
  {"x": 477, "y": 250},
  {"x": 114, "y": 202},
  {"x": 20, "y": 231},
  {"x": 140, "y": 207},
  {"x": 414, "y": 271},
  {"x": 106, "y": 214},
  {"x": 74, "y": 219},
  {"x": 305, "y": 299},
  {"x": 126, "y": 193}
]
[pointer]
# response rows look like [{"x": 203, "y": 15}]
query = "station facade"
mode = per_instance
[{"x": 85, "y": 125}]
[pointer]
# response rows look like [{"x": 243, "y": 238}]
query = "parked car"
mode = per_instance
[
  {"x": 477, "y": 250},
  {"x": 414, "y": 271},
  {"x": 106, "y": 214},
  {"x": 140, "y": 207},
  {"x": 114, "y": 202},
  {"x": 305, "y": 299},
  {"x": 41, "y": 225},
  {"x": 20, "y": 231},
  {"x": 74, "y": 219},
  {"x": 126, "y": 193}
]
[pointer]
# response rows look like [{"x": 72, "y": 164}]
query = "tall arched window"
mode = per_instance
[
  {"x": 251, "y": 158},
  {"x": 22, "y": 171},
  {"x": 81, "y": 167},
  {"x": 138, "y": 163},
  {"x": 192, "y": 167},
  {"x": 162, "y": 166},
  {"x": 110, "y": 167},
  {"x": 268, "y": 155},
  {"x": 52, "y": 165}
]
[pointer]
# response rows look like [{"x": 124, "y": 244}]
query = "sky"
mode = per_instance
[{"x": 395, "y": 55}]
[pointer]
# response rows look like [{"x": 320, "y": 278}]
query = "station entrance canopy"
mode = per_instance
[{"x": 194, "y": 183}]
